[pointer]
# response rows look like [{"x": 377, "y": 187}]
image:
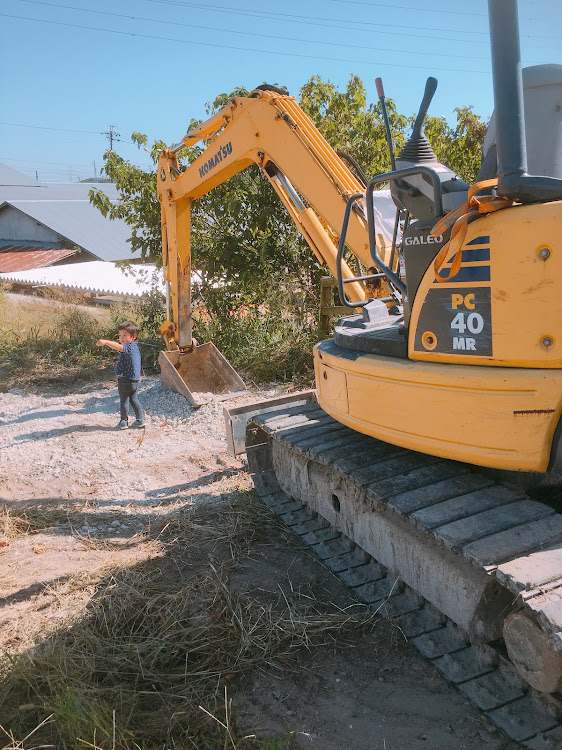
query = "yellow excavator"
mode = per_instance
[
  {"x": 456, "y": 364},
  {"x": 470, "y": 367}
]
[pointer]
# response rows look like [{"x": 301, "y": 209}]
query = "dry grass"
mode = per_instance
[
  {"x": 47, "y": 343},
  {"x": 66, "y": 351},
  {"x": 162, "y": 644},
  {"x": 32, "y": 314},
  {"x": 13, "y": 524},
  {"x": 32, "y": 517}
]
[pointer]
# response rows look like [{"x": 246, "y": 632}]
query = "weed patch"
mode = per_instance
[
  {"x": 65, "y": 351},
  {"x": 269, "y": 342}
]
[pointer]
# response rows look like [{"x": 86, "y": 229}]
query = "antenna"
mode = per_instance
[{"x": 382, "y": 99}]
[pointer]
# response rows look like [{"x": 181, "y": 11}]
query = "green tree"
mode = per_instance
[
  {"x": 351, "y": 125},
  {"x": 460, "y": 147},
  {"x": 138, "y": 204}
]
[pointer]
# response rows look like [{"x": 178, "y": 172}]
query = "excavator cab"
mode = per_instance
[{"x": 456, "y": 356}]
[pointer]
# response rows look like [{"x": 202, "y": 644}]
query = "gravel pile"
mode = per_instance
[
  {"x": 17, "y": 407},
  {"x": 68, "y": 446}
]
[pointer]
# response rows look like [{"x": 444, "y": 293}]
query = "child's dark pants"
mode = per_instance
[{"x": 128, "y": 392}]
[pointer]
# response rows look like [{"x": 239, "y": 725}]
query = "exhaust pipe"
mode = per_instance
[{"x": 513, "y": 180}]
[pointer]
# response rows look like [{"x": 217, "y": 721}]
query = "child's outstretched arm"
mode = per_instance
[{"x": 111, "y": 344}]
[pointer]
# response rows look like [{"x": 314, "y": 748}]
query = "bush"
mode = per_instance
[
  {"x": 67, "y": 350},
  {"x": 268, "y": 342}
]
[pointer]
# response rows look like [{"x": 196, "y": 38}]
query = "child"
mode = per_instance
[{"x": 128, "y": 371}]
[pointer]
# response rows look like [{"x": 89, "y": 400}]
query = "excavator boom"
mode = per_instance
[{"x": 313, "y": 183}]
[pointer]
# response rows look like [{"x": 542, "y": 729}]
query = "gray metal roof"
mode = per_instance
[
  {"x": 80, "y": 223},
  {"x": 37, "y": 191},
  {"x": 66, "y": 209},
  {"x": 9, "y": 176},
  {"x": 17, "y": 186}
]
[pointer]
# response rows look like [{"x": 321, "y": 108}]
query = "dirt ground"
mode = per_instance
[{"x": 100, "y": 497}]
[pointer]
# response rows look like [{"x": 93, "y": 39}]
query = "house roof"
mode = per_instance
[
  {"x": 95, "y": 277},
  {"x": 66, "y": 209},
  {"x": 82, "y": 224},
  {"x": 23, "y": 257},
  {"x": 9, "y": 176},
  {"x": 57, "y": 191}
]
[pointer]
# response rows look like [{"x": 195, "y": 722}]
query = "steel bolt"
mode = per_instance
[
  {"x": 547, "y": 342},
  {"x": 544, "y": 253}
]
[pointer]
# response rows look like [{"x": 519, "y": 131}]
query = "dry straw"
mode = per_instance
[{"x": 148, "y": 664}]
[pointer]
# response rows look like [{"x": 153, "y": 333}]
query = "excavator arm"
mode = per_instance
[{"x": 268, "y": 129}]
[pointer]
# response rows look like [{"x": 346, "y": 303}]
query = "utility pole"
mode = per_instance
[
  {"x": 36, "y": 176},
  {"x": 95, "y": 170},
  {"x": 112, "y": 135}
]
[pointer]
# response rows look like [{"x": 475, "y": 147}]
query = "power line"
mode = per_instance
[
  {"x": 379, "y": 64},
  {"x": 409, "y": 7},
  {"x": 294, "y": 18},
  {"x": 67, "y": 130},
  {"x": 301, "y": 20},
  {"x": 262, "y": 35},
  {"x": 45, "y": 127}
]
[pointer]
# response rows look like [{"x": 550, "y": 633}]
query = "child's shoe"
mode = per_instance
[
  {"x": 123, "y": 425},
  {"x": 138, "y": 423}
]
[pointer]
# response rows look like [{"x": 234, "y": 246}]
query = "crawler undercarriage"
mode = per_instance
[{"x": 470, "y": 568}]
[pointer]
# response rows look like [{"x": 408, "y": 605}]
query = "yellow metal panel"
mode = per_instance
[
  {"x": 334, "y": 387},
  {"x": 497, "y": 417},
  {"x": 274, "y": 128},
  {"x": 525, "y": 268}
]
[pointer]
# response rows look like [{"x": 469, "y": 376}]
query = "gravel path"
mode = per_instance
[
  {"x": 67, "y": 446},
  {"x": 97, "y": 496}
]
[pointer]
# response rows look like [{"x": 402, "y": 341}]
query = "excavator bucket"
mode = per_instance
[{"x": 200, "y": 375}]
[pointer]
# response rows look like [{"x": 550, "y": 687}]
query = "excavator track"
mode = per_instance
[{"x": 469, "y": 569}]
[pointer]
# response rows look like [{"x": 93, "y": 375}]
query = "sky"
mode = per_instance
[{"x": 72, "y": 69}]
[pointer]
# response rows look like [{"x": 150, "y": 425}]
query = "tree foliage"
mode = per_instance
[
  {"x": 459, "y": 148},
  {"x": 351, "y": 125},
  {"x": 138, "y": 204}
]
